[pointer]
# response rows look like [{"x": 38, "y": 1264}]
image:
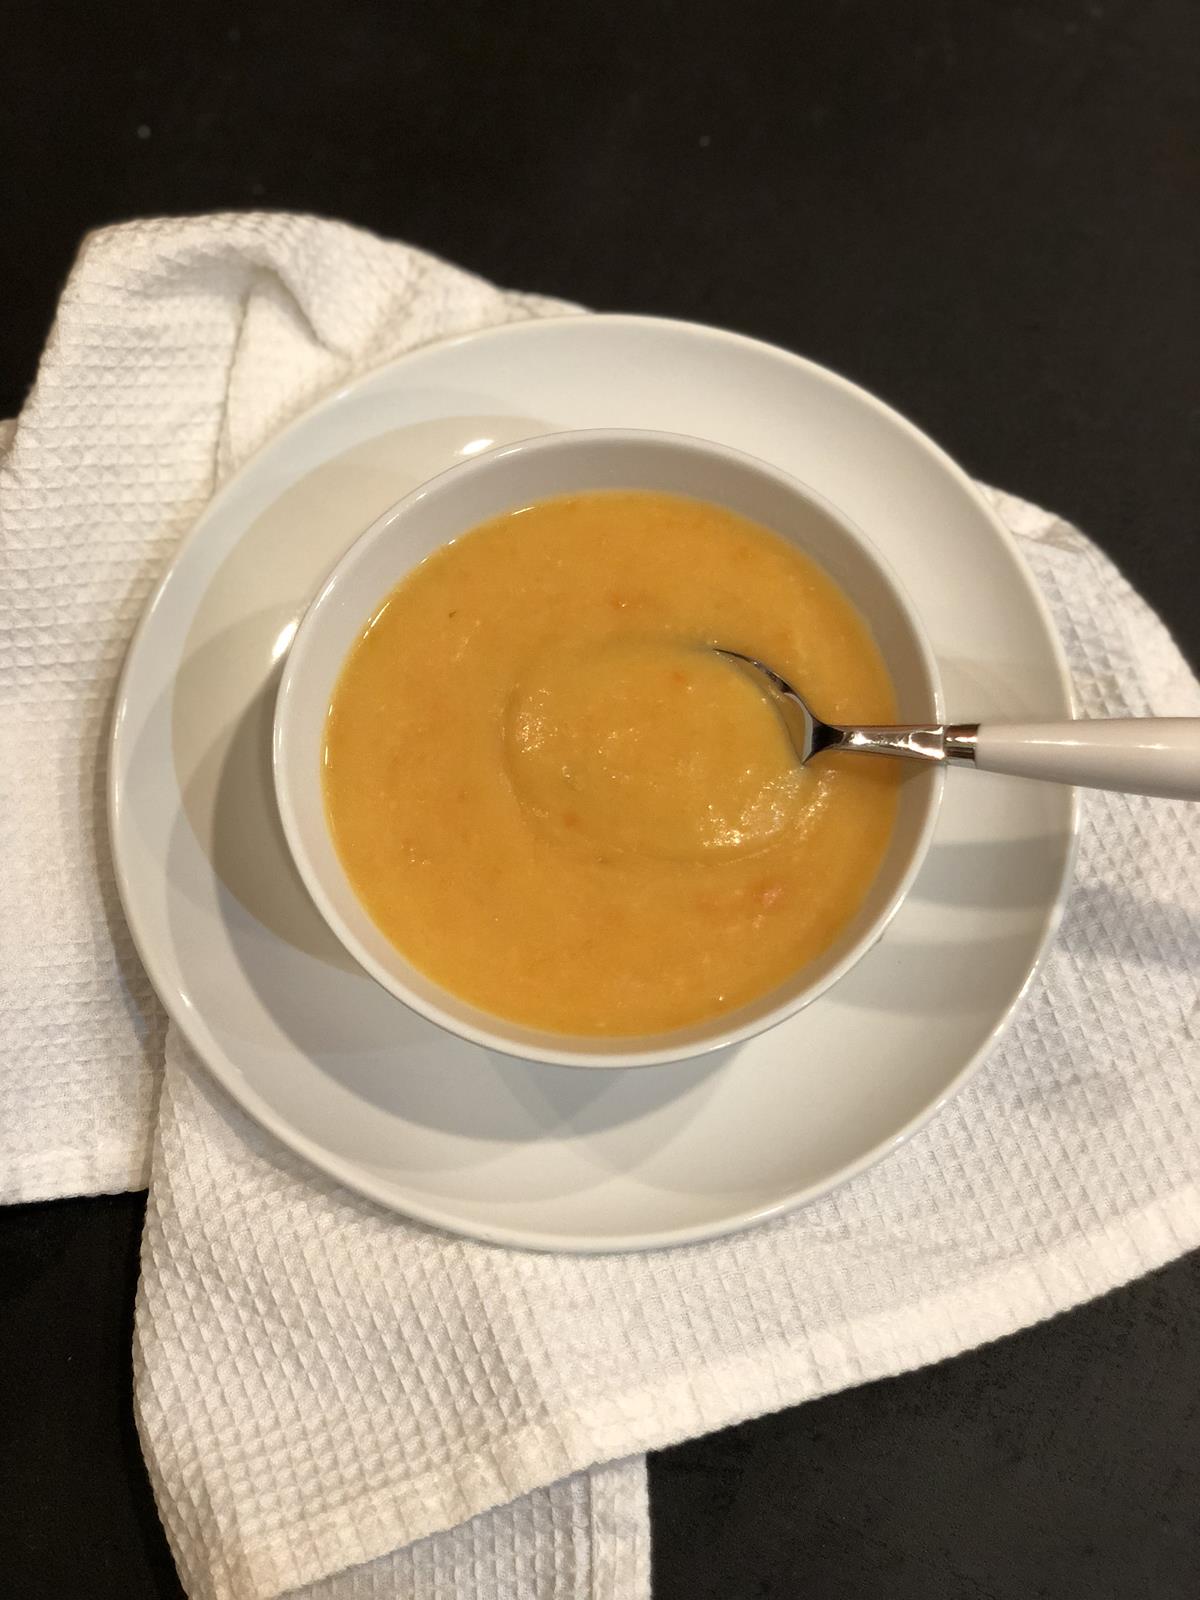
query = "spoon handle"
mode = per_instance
[{"x": 1136, "y": 755}]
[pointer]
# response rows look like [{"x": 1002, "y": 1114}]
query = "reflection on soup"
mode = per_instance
[{"x": 556, "y": 801}]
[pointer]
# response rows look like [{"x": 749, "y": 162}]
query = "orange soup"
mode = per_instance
[{"x": 556, "y": 801}]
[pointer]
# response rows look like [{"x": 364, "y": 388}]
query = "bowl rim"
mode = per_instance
[{"x": 604, "y": 1057}]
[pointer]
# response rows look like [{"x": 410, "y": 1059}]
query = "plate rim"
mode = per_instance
[{"x": 181, "y": 1012}]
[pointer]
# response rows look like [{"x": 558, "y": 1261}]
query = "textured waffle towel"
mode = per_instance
[{"x": 323, "y": 1387}]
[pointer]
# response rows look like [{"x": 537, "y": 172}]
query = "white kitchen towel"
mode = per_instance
[{"x": 320, "y": 1384}]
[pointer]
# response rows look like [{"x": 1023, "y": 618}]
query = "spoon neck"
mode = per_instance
[
  {"x": 934, "y": 742},
  {"x": 961, "y": 741}
]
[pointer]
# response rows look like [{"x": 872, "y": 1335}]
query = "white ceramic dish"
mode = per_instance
[
  {"x": 510, "y": 1151},
  {"x": 503, "y": 479}
]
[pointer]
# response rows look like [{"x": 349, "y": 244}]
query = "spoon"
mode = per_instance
[{"x": 1135, "y": 755}]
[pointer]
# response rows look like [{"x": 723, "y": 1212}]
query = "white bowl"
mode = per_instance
[{"x": 503, "y": 480}]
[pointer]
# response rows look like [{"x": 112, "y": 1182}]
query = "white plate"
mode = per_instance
[{"x": 534, "y": 1155}]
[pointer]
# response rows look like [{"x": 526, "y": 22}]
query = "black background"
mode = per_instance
[{"x": 988, "y": 211}]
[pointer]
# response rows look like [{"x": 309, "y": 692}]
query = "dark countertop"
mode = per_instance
[{"x": 987, "y": 213}]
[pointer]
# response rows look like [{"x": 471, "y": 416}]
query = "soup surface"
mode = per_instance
[{"x": 554, "y": 798}]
